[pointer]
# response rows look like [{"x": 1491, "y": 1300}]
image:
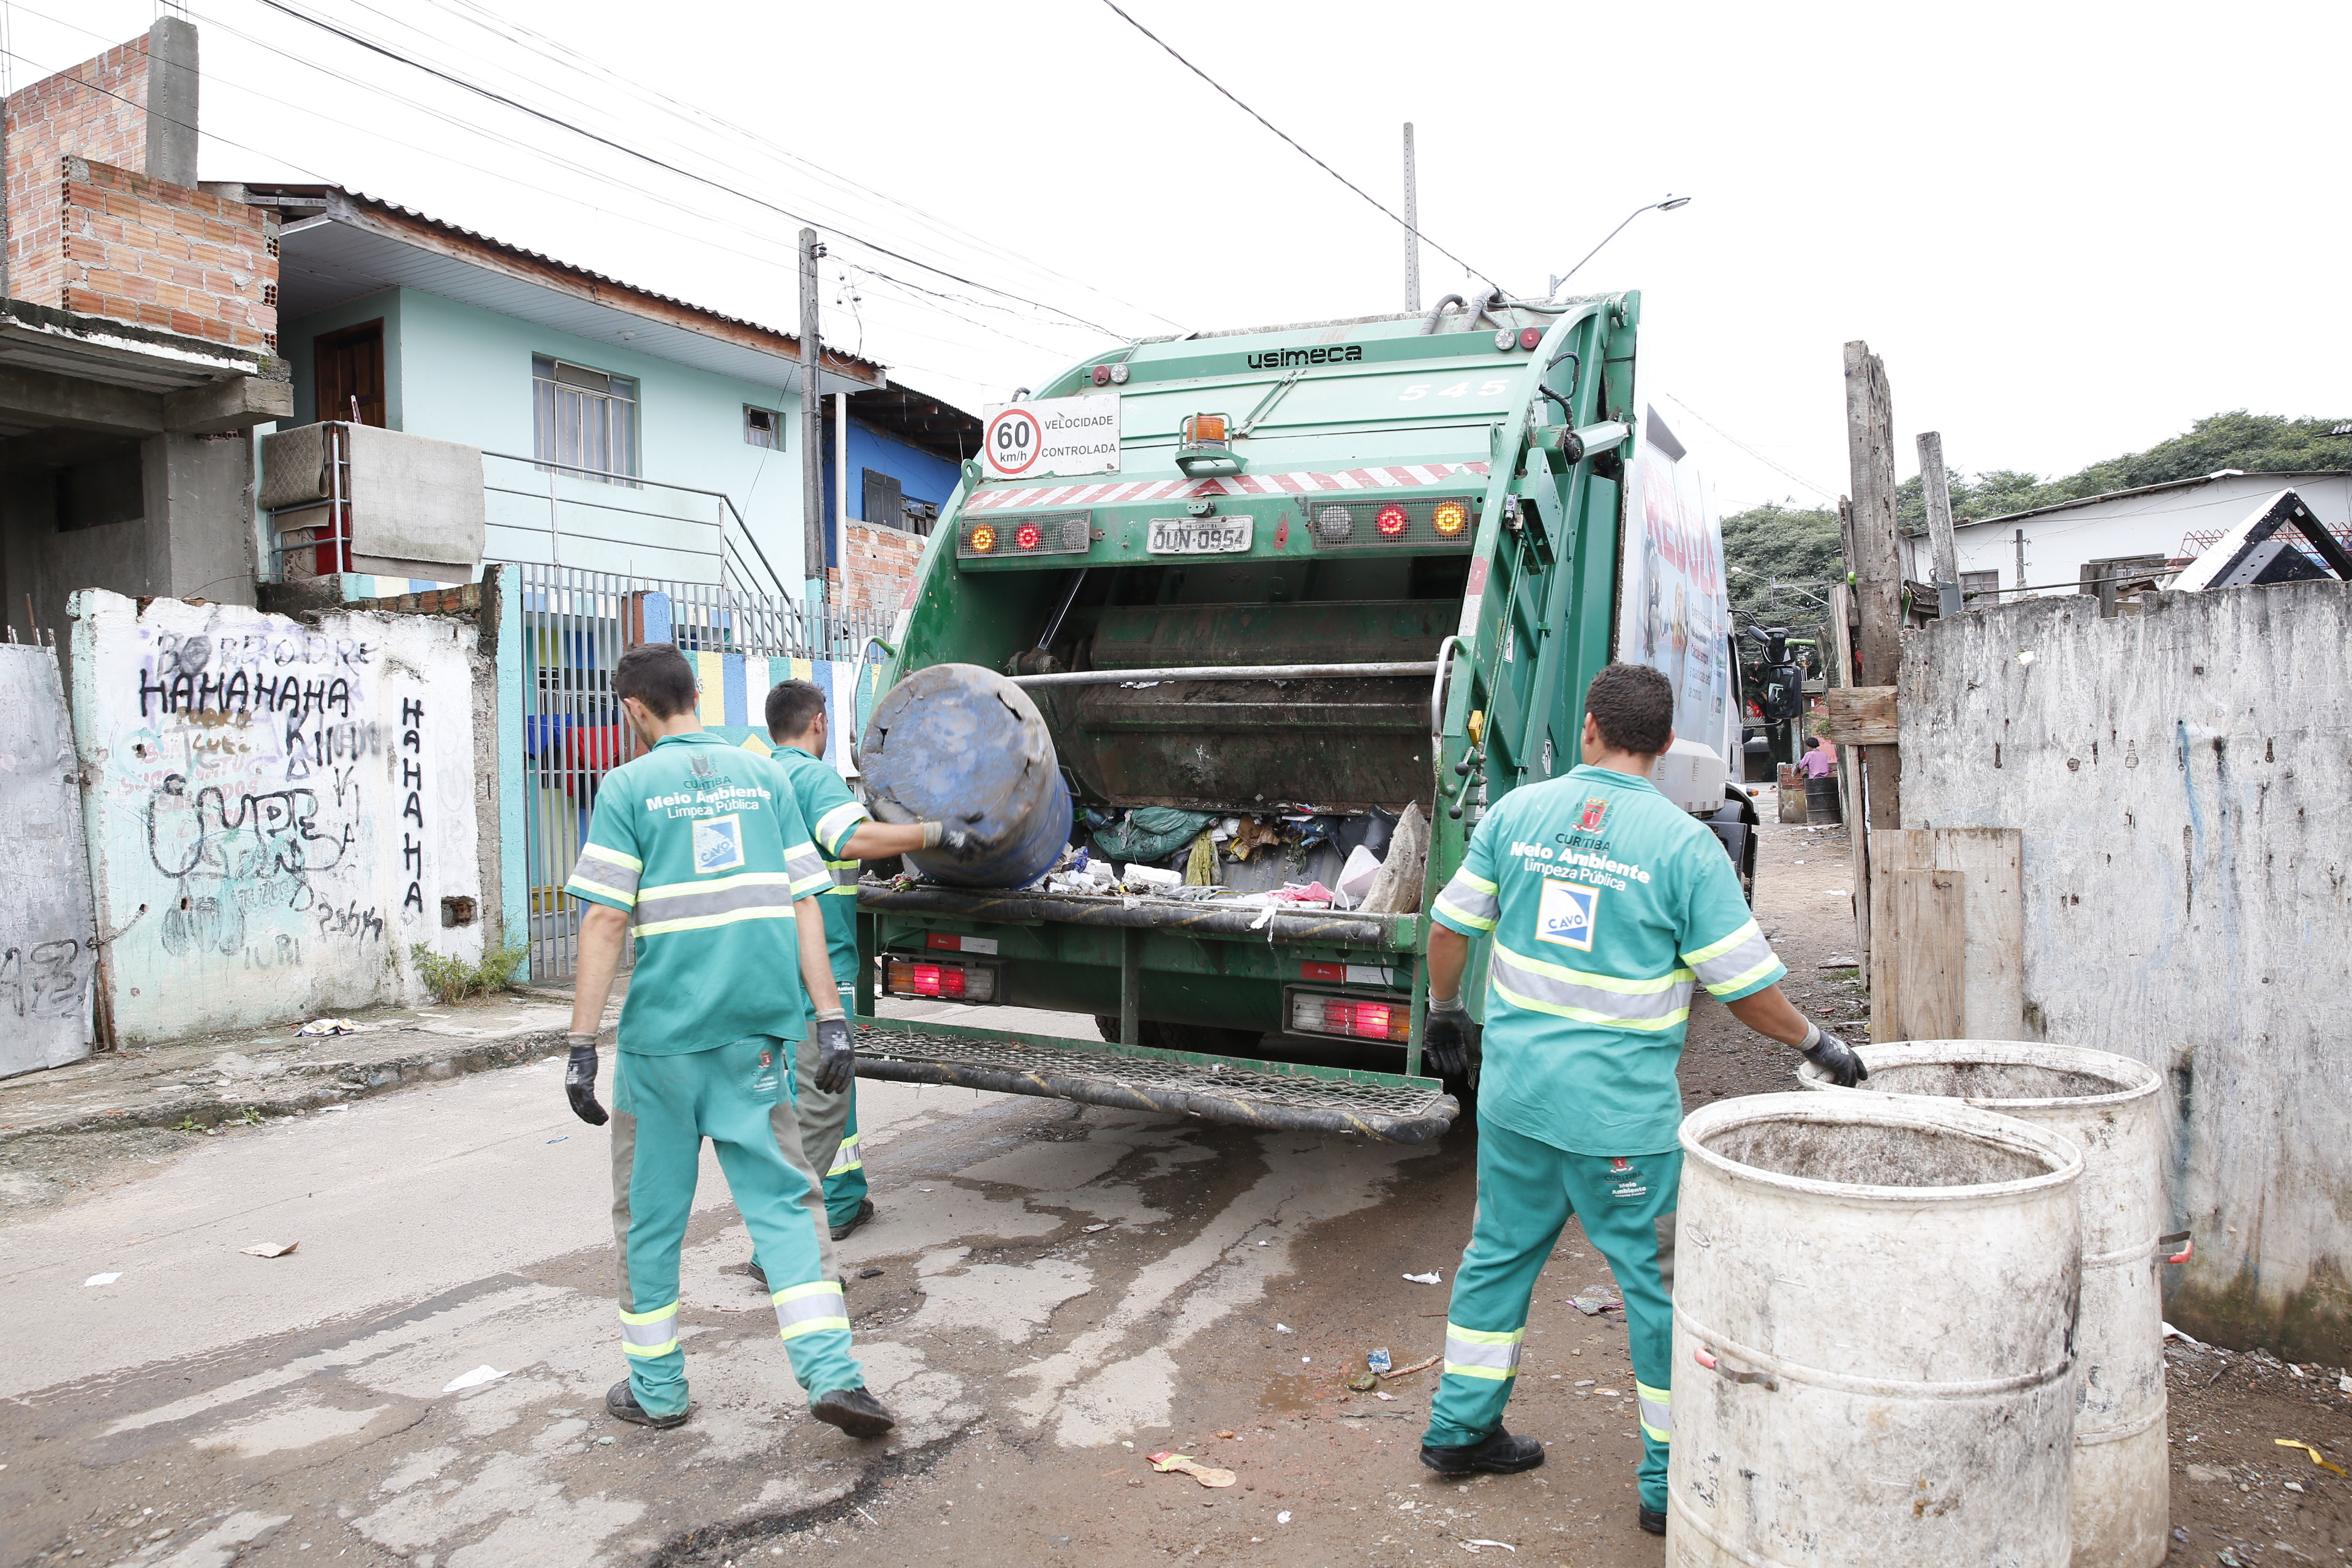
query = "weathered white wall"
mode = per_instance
[
  {"x": 2184, "y": 781},
  {"x": 275, "y": 810},
  {"x": 47, "y": 956}
]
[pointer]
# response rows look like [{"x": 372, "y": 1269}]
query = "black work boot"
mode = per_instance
[
  {"x": 1498, "y": 1454},
  {"x": 854, "y": 1411},
  {"x": 1652, "y": 1520},
  {"x": 758, "y": 1274},
  {"x": 619, "y": 1402},
  {"x": 865, "y": 1212}
]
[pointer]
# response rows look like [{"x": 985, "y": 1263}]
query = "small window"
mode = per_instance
[
  {"x": 885, "y": 502},
  {"x": 921, "y": 516},
  {"x": 1980, "y": 587},
  {"x": 763, "y": 427},
  {"x": 585, "y": 421}
]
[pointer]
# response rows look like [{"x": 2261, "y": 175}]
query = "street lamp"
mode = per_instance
[{"x": 1669, "y": 204}]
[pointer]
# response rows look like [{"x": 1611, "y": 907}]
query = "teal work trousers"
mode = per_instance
[
  {"x": 1526, "y": 1192},
  {"x": 663, "y": 1108}
]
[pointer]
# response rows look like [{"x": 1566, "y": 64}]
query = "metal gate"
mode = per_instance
[
  {"x": 49, "y": 922},
  {"x": 576, "y": 624}
]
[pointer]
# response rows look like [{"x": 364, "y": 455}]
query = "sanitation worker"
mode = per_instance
[
  {"x": 695, "y": 847},
  {"x": 1605, "y": 903},
  {"x": 823, "y": 1115}
]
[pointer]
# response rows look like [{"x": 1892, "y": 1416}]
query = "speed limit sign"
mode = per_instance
[
  {"x": 1052, "y": 436},
  {"x": 1015, "y": 441}
]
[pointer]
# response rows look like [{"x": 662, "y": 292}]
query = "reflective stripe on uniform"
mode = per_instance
[
  {"x": 808, "y": 870},
  {"x": 1471, "y": 899},
  {"x": 837, "y": 825},
  {"x": 1738, "y": 961},
  {"x": 650, "y": 1333},
  {"x": 808, "y": 1308},
  {"x": 845, "y": 874},
  {"x": 1481, "y": 1353},
  {"x": 607, "y": 872},
  {"x": 1659, "y": 1001},
  {"x": 847, "y": 1157},
  {"x": 1657, "y": 1411},
  {"x": 717, "y": 900}
]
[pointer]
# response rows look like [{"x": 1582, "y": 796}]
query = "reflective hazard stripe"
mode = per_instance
[
  {"x": 1482, "y": 1352},
  {"x": 1735, "y": 962},
  {"x": 845, "y": 876},
  {"x": 1471, "y": 899},
  {"x": 837, "y": 825},
  {"x": 1657, "y": 1411},
  {"x": 847, "y": 1157},
  {"x": 720, "y": 900},
  {"x": 810, "y": 1309},
  {"x": 650, "y": 1333},
  {"x": 606, "y": 873},
  {"x": 1658, "y": 1002},
  {"x": 808, "y": 870}
]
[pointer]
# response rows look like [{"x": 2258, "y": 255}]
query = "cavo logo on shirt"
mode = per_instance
[
  {"x": 718, "y": 845},
  {"x": 1567, "y": 914}
]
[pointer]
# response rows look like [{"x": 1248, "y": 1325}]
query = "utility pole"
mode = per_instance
[
  {"x": 2021, "y": 564},
  {"x": 1877, "y": 560},
  {"x": 1412, "y": 228},
  {"x": 813, "y": 519},
  {"x": 1938, "y": 488}
]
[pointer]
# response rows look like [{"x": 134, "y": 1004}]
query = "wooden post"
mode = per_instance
[
  {"x": 1949, "y": 910},
  {"x": 1937, "y": 488},
  {"x": 1877, "y": 562},
  {"x": 1857, "y": 824}
]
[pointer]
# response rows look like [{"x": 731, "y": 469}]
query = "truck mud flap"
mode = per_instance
[{"x": 1272, "y": 1095}]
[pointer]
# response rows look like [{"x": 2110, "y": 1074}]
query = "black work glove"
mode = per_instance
[
  {"x": 580, "y": 1080},
  {"x": 958, "y": 834},
  {"x": 1835, "y": 1057},
  {"x": 836, "y": 1055},
  {"x": 1445, "y": 1043}
]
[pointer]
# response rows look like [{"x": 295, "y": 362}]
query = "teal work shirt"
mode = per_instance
[
  {"x": 1605, "y": 903},
  {"x": 695, "y": 842},
  {"x": 833, "y": 814}
]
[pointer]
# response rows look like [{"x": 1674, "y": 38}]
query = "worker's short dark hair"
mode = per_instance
[
  {"x": 1812, "y": 742},
  {"x": 656, "y": 675},
  {"x": 793, "y": 707},
  {"x": 1634, "y": 705}
]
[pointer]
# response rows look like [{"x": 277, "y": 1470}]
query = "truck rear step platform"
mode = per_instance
[{"x": 1274, "y": 1095}]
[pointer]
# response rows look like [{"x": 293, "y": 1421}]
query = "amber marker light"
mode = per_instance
[
  {"x": 1450, "y": 518},
  {"x": 984, "y": 538}
]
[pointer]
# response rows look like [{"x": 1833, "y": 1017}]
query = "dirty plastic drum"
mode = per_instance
[{"x": 957, "y": 741}]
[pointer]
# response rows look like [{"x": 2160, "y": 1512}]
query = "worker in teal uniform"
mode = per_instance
[
  {"x": 823, "y": 1115},
  {"x": 1604, "y": 901},
  {"x": 695, "y": 849}
]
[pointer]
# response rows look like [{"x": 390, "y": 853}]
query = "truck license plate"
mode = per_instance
[{"x": 1198, "y": 536}]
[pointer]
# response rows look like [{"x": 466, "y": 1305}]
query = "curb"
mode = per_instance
[{"x": 348, "y": 1081}]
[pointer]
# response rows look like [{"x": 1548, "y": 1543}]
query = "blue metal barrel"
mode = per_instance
[{"x": 956, "y": 740}]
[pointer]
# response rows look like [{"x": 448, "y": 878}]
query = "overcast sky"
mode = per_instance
[{"x": 2069, "y": 229}]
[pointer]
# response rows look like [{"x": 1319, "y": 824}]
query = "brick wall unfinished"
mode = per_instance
[
  {"x": 877, "y": 565},
  {"x": 97, "y": 110},
  {"x": 163, "y": 255}
]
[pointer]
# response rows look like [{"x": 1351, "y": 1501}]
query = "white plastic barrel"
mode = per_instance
[
  {"x": 1875, "y": 1304},
  {"x": 2107, "y": 1106}
]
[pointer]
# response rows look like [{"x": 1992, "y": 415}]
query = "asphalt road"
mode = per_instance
[{"x": 1052, "y": 1292}]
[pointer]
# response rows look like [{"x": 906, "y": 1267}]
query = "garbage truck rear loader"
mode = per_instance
[{"x": 1295, "y": 590}]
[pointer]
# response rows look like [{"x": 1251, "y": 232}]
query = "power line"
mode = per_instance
[
  {"x": 1752, "y": 451},
  {"x": 1270, "y": 125},
  {"x": 522, "y": 108}
]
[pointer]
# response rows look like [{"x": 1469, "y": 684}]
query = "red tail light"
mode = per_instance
[
  {"x": 1027, "y": 536},
  {"x": 947, "y": 982},
  {"x": 1392, "y": 520},
  {"x": 1353, "y": 1017},
  {"x": 1531, "y": 337}
]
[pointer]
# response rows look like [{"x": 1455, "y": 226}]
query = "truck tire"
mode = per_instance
[
  {"x": 1736, "y": 826},
  {"x": 1207, "y": 1039}
]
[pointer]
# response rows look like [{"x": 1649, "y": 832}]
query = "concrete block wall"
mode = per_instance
[
  {"x": 278, "y": 810},
  {"x": 878, "y": 567},
  {"x": 2181, "y": 778},
  {"x": 139, "y": 250}
]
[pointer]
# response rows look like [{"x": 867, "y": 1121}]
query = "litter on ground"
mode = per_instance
[
  {"x": 101, "y": 1279},
  {"x": 329, "y": 1027},
  {"x": 269, "y": 1248},
  {"x": 1429, "y": 1278},
  {"x": 1207, "y": 1475},
  {"x": 474, "y": 1379}
]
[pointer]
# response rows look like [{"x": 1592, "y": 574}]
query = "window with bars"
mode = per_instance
[
  {"x": 584, "y": 419},
  {"x": 763, "y": 427}
]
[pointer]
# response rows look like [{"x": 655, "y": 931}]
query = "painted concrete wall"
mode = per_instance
[
  {"x": 463, "y": 373},
  {"x": 48, "y": 947},
  {"x": 2058, "y": 542},
  {"x": 2181, "y": 777},
  {"x": 275, "y": 810}
]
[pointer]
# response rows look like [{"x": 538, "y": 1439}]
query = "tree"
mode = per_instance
[{"x": 1795, "y": 546}]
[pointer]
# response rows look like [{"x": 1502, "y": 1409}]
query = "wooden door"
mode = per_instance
[{"x": 351, "y": 373}]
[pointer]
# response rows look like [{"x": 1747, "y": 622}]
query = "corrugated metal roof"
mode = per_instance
[
  {"x": 2286, "y": 478},
  {"x": 342, "y": 256}
]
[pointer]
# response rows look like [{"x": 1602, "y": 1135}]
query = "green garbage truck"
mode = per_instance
[{"x": 1292, "y": 607}]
